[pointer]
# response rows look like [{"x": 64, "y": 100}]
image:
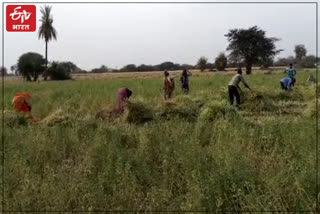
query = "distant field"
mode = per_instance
[
  {"x": 146, "y": 74},
  {"x": 194, "y": 152}
]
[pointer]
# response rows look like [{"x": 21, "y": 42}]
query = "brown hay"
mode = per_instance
[{"x": 57, "y": 117}]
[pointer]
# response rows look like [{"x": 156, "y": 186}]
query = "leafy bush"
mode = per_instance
[{"x": 59, "y": 71}]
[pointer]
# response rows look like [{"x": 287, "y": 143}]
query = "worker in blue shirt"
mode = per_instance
[{"x": 286, "y": 83}]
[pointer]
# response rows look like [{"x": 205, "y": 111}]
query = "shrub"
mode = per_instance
[{"x": 59, "y": 71}]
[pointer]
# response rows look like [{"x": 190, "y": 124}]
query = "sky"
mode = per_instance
[{"x": 91, "y": 35}]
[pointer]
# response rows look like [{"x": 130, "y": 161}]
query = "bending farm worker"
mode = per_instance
[
  {"x": 233, "y": 87},
  {"x": 184, "y": 79},
  {"x": 286, "y": 83},
  {"x": 291, "y": 73},
  {"x": 20, "y": 103},
  {"x": 123, "y": 95},
  {"x": 168, "y": 85}
]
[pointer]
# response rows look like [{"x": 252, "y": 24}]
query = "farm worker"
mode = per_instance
[
  {"x": 233, "y": 87},
  {"x": 311, "y": 79},
  {"x": 291, "y": 73},
  {"x": 20, "y": 103},
  {"x": 184, "y": 79},
  {"x": 123, "y": 95},
  {"x": 168, "y": 85},
  {"x": 286, "y": 83}
]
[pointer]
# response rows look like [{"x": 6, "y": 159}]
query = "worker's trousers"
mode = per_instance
[{"x": 233, "y": 92}]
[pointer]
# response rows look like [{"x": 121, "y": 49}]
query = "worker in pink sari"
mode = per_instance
[{"x": 123, "y": 95}]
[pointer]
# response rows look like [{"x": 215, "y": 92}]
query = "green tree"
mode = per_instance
[
  {"x": 46, "y": 29},
  {"x": 202, "y": 63},
  {"x": 267, "y": 63},
  {"x": 129, "y": 68},
  {"x": 102, "y": 69},
  {"x": 60, "y": 71},
  {"x": 221, "y": 62},
  {"x": 300, "y": 51},
  {"x": 30, "y": 65},
  {"x": 251, "y": 46}
]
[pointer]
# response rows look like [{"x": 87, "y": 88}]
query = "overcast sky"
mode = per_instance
[{"x": 91, "y": 35}]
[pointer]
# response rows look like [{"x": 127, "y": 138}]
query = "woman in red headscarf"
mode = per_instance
[{"x": 20, "y": 103}]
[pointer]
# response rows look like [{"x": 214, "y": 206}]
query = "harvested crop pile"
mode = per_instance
[
  {"x": 107, "y": 113},
  {"x": 57, "y": 117},
  {"x": 214, "y": 110},
  {"x": 257, "y": 102},
  {"x": 137, "y": 113},
  {"x": 182, "y": 107}
]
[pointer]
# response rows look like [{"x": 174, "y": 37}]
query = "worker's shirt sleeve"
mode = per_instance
[{"x": 243, "y": 81}]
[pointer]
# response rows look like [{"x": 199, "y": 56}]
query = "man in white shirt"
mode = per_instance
[{"x": 233, "y": 87}]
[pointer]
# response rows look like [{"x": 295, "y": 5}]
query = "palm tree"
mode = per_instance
[{"x": 46, "y": 29}]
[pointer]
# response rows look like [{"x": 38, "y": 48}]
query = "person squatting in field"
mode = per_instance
[
  {"x": 233, "y": 87},
  {"x": 291, "y": 73},
  {"x": 184, "y": 79},
  {"x": 286, "y": 83},
  {"x": 21, "y": 105},
  {"x": 168, "y": 85},
  {"x": 123, "y": 95}
]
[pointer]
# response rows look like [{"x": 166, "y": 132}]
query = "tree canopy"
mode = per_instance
[
  {"x": 202, "y": 63},
  {"x": 221, "y": 62},
  {"x": 300, "y": 51},
  {"x": 251, "y": 46},
  {"x": 30, "y": 65}
]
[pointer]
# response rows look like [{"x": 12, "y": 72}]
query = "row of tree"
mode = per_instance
[{"x": 31, "y": 65}]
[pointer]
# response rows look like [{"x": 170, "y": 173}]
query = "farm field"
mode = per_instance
[{"x": 193, "y": 153}]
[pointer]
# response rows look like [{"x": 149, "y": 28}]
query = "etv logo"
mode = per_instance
[{"x": 21, "y": 18}]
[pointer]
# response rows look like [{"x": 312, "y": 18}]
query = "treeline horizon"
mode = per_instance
[
  {"x": 308, "y": 62},
  {"x": 302, "y": 62}
]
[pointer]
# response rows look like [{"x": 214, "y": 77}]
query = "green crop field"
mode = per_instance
[{"x": 193, "y": 153}]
